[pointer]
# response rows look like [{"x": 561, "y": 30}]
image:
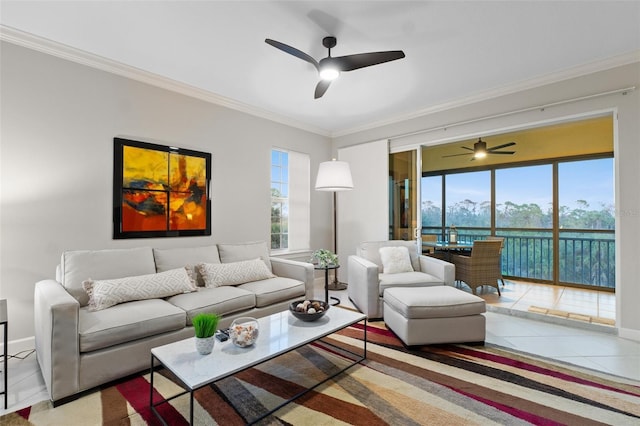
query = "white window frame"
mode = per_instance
[{"x": 298, "y": 201}]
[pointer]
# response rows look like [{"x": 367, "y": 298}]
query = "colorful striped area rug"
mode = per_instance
[{"x": 395, "y": 385}]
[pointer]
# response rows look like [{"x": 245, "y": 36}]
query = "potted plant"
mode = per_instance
[
  {"x": 205, "y": 326},
  {"x": 325, "y": 257}
]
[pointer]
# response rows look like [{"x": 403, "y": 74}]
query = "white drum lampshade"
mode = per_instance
[{"x": 334, "y": 176}]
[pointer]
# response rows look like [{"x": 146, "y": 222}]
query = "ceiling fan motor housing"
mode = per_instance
[
  {"x": 329, "y": 42},
  {"x": 480, "y": 146}
]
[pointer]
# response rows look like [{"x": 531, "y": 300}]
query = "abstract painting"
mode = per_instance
[{"x": 160, "y": 191}]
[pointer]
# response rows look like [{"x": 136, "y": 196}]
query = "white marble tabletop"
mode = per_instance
[{"x": 279, "y": 333}]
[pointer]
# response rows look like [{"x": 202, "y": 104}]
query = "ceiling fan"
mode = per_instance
[
  {"x": 480, "y": 150},
  {"x": 330, "y": 68}
]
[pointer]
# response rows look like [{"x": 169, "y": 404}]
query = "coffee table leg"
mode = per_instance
[
  {"x": 191, "y": 408},
  {"x": 365, "y": 338}
]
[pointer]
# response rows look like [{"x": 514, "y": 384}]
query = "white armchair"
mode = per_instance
[{"x": 367, "y": 282}]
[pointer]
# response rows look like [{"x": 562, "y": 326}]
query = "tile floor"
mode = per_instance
[{"x": 510, "y": 323}]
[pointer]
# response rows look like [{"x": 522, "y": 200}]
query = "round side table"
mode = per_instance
[{"x": 326, "y": 270}]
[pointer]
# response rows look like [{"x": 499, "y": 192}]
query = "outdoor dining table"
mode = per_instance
[{"x": 447, "y": 248}]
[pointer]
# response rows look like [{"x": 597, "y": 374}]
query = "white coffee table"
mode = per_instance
[{"x": 279, "y": 333}]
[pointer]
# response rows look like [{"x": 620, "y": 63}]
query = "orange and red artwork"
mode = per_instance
[{"x": 160, "y": 191}]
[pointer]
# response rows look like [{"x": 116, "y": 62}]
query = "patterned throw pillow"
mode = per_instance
[
  {"x": 106, "y": 293},
  {"x": 219, "y": 274},
  {"x": 395, "y": 260}
]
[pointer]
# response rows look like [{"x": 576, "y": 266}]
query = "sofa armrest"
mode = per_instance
[
  {"x": 56, "y": 315},
  {"x": 442, "y": 269},
  {"x": 364, "y": 285},
  {"x": 301, "y": 271}
]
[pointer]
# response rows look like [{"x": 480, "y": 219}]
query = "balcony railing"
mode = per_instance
[{"x": 585, "y": 260}]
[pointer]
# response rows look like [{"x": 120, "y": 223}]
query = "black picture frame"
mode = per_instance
[{"x": 150, "y": 201}]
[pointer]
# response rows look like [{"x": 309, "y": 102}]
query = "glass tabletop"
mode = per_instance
[{"x": 445, "y": 245}]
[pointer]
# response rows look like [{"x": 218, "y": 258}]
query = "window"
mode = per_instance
[
  {"x": 468, "y": 199},
  {"x": 279, "y": 200},
  {"x": 290, "y": 200},
  {"x": 586, "y": 194},
  {"x": 524, "y": 197},
  {"x": 431, "y": 203}
]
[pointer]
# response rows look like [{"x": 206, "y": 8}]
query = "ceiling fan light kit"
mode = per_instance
[
  {"x": 329, "y": 73},
  {"x": 479, "y": 149},
  {"x": 329, "y": 68}
]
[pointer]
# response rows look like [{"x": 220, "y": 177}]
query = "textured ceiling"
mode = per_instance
[{"x": 454, "y": 50}]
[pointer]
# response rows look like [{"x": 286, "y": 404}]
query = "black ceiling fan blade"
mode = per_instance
[
  {"x": 457, "y": 155},
  {"x": 501, "y": 152},
  {"x": 292, "y": 51},
  {"x": 467, "y": 148},
  {"x": 501, "y": 146},
  {"x": 361, "y": 60},
  {"x": 321, "y": 88}
]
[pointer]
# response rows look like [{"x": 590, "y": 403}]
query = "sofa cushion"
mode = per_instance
[
  {"x": 216, "y": 275},
  {"x": 78, "y": 266},
  {"x": 107, "y": 293},
  {"x": 218, "y": 300},
  {"x": 407, "y": 279},
  {"x": 395, "y": 260},
  {"x": 172, "y": 258},
  {"x": 274, "y": 290},
  {"x": 371, "y": 251},
  {"x": 244, "y": 251},
  {"x": 127, "y": 322}
]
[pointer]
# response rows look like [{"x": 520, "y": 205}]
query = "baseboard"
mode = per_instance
[
  {"x": 553, "y": 320},
  {"x": 627, "y": 333},
  {"x": 20, "y": 345}
]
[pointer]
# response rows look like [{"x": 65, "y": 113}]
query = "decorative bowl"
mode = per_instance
[
  {"x": 309, "y": 310},
  {"x": 244, "y": 331}
]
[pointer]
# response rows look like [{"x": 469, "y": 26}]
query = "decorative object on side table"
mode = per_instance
[
  {"x": 309, "y": 310},
  {"x": 324, "y": 258},
  {"x": 244, "y": 331},
  {"x": 205, "y": 326}
]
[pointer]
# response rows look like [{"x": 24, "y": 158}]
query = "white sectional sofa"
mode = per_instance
[{"x": 79, "y": 347}]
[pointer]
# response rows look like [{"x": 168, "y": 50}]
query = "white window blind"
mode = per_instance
[{"x": 299, "y": 201}]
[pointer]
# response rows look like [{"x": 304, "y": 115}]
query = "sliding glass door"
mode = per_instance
[{"x": 558, "y": 218}]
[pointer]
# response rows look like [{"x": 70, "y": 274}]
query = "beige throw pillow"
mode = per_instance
[
  {"x": 395, "y": 260},
  {"x": 219, "y": 274},
  {"x": 106, "y": 293}
]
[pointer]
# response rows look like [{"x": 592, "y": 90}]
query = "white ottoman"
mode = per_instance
[{"x": 428, "y": 315}]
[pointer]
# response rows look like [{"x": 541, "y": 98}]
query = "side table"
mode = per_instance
[
  {"x": 326, "y": 283},
  {"x": 5, "y": 325}
]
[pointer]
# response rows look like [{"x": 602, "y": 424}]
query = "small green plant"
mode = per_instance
[
  {"x": 325, "y": 257},
  {"x": 205, "y": 325}
]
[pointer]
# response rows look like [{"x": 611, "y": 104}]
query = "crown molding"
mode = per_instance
[
  {"x": 566, "y": 74},
  {"x": 30, "y": 41}
]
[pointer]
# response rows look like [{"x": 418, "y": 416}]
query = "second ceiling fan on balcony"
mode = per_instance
[
  {"x": 480, "y": 150},
  {"x": 329, "y": 68}
]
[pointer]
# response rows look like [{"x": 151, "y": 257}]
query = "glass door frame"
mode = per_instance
[{"x": 412, "y": 190}]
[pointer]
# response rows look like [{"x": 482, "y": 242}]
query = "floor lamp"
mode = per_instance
[{"x": 334, "y": 176}]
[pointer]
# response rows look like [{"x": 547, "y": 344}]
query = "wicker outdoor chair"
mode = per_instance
[
  {"x": 482, "y": 267},
  {"x": 491, "y": 237}
]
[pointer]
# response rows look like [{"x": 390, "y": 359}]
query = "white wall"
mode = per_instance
[
  {"x": 627, "y": 153},
  {"x": 56, "y": 156},
  {"x": 363, "y": 213}
]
